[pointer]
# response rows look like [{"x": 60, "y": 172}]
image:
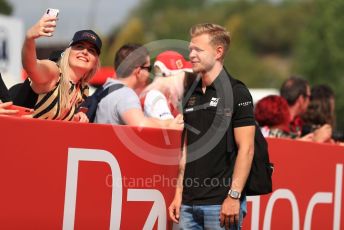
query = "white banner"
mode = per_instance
[{"x": 11, "y": 39}]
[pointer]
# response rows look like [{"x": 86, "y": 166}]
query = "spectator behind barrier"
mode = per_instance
[
  {"x": 122, "y": 106},
  {"x": 297, "y": 93},
  {"x": 5, "y": 100},
  {"x": 272, "y": 114},
  {"x": 161, "y": 99},
  {"x": 4, "y": 95},
  {"x": 320, "y": 114},
  {"x": 61, "y": 88}
]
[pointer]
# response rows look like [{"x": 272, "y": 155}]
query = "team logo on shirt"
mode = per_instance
[
  {"x": 246, "y": 103},
  {"x": 214, "y": 101}
]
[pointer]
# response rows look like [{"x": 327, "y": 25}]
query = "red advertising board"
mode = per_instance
[
  {"x": 308, "y": 188},
  {"x": 66, "y": 175}
]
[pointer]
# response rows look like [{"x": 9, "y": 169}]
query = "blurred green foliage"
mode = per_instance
[
  {"x": 263, "y": 33},
  {"x": 320, "y": 51},
  {"x": 5, "y": 7},
  {"x": 271, "y": 40}
]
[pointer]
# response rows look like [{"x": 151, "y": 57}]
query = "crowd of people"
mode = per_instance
[
  {"x": 183, "y": 94},
  {"x": 56, "y": 88},
  {"x": 300, "y": 112}
]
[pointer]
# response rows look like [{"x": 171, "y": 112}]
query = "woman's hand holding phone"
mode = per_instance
[{"x": 45, "y": 26}]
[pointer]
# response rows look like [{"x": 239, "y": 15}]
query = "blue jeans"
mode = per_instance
[{"x": 206, "y": 217}]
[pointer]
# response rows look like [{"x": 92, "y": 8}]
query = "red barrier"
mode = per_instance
[
  {"x": 308, "y": 188},
  {"x": 67, "y": 175},
  {"x": 51, "y": 170}
]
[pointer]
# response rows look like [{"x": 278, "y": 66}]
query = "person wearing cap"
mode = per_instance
[
  {"x": 62, "y": 86},
  {"x": 170, "y": 63},
  {"x": 161, "y": 99},
  {"x": 122, "y": 106}
]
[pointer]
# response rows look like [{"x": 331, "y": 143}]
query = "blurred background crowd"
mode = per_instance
[{"x": 272, "y": 39}]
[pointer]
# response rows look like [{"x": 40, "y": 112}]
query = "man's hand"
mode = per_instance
[
  {"x": 177, "y": 123},
  {"x": 174, "y": 208},
  {"x": 229, "y": 214}
]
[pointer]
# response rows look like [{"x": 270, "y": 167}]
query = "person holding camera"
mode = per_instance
[{"x": 61, "y": 86}]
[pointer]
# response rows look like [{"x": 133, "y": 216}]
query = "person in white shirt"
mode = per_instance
[
  {"x": 122, "y": 106},
  {"x": 162, "y": 98}
]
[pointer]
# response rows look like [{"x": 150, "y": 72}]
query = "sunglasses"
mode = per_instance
[{"x": 148, "y": 68}]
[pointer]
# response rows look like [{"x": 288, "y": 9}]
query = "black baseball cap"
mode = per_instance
[{"x": 89, "y": 36}]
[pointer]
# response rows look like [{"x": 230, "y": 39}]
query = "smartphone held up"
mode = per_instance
[{"x": 52, "y": 12}]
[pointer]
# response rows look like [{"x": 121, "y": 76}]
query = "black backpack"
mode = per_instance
[
  {"x": 259, "y": 181},
  {"x": 92, "y": 101}
]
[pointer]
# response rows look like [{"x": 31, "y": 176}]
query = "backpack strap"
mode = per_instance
[
  {"x": 92, "y": 101},
  {"x": 108, "y": 90},
  {"x": 190, "y": 90},
  {"x": 231, "y": 145}
]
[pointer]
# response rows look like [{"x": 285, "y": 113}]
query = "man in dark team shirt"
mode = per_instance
[{"x": 210, "y": 192}]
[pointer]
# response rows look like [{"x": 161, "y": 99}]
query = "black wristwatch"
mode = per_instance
[{"x": 234, "y": 194}]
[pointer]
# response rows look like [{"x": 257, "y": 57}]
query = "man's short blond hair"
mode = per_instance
[{"x": 218, "y": 34}]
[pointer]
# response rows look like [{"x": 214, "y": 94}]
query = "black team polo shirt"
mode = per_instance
[{"x": 207, "y": 178}]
